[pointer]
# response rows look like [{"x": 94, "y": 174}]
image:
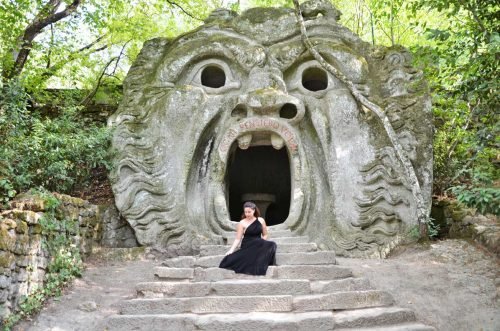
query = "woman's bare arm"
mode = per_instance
[
  {"x": 237, "y": 240},
  {"x": 264, "y": 228}
]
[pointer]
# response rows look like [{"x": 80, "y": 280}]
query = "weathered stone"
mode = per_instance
[
  {"x": 340, "y": 285},
  {"x": 35, "y": 229},
  {"x": 22, "y": 244},
  {"x": 27, "y": 201},
  {"x": 267, "y": 123},
  {"x": 24, "y": 260},
  {"x": 7, "y": 238},
  {"x": 4, "y": 295},
  {"x": 343, "y": 300},
  {"x": 7, "y": 259},
  {"x": 22, "y": 275},
  {"x": 88, "y": 306},
  {"x": 372, "y": 316},
  {"x": 224, "y": 322},
  {"x": 22, "y": 227},
  {"x": 203, "y": 305},
  {"x": 29, "y": 216},
  {"x": 4, "y": 281},
  {"x": 174, "y": 273}
]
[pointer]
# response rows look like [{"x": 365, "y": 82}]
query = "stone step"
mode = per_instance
[
  {"x": 253, "y": 286},
  {"x": 372, "y": 317},
  {"x": 311, "y": 272},
  {"x": 272, "y": 234},
  {"x": 310, "y": 258},
  {"x": 241, "y": 287},
  {"x": 264, "y": 303},
  {"x": 209, "y": 250},
  {"x": 281, "y": 240},
  {"x": 340, "y": 285},
  {"x": 174, "y": 273},
  {"x": 206, "y": 305},
  {"x": 262, "y": 321},
  {"x": 291, "y": 240},
  {"x": 399, "y": 327},
  {"x": 342, "y": 300}
]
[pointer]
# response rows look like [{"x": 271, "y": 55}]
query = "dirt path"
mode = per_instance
[{"x": 451, "y": 285}]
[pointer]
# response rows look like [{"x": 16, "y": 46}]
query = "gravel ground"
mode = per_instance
[{"x": 450, "y": 284}]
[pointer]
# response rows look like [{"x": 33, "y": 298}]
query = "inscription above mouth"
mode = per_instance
[{"x": 260, "y": 132}]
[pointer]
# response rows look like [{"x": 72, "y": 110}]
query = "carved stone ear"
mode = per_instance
[{"x": 311, "y": 9}]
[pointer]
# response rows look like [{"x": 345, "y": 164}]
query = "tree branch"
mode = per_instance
[
  {"x": 47, "y": 15},
  {"x": 366, "y": 106},
  {"x": 56, "y": 67},
  {"x": 89, "y": 97},
  {"x": 175, "y": 4},
  {"x": 470, "y": 8},
  {"x": 120, "y": 56}
]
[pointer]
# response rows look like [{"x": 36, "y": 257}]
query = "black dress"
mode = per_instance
[{"x": 255, "y": 254}]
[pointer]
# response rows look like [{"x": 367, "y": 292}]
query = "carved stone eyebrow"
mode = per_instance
[
  {"x": 288, "y": 54},
  {"x": 232, "y": 47}
]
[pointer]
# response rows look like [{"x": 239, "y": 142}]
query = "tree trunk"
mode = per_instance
[{"x": 47, "y": 15}]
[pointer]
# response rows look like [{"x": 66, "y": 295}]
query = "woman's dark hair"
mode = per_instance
[{"x": 250, "y": 204}]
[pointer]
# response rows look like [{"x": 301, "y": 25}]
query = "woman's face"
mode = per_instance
[{"x": 248, "y": 212}]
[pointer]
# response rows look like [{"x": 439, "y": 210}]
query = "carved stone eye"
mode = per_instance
[
  {"x": 288, "y": 111},
  {"x": 314, "y": 79},
  {"x": 213, "y": 76}
]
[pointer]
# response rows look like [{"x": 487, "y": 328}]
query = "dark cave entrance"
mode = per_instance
[{"x": 260, "y": 174}]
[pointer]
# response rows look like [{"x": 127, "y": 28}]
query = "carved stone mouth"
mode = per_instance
[
  {"x": 259, "y": 170},
  {"x": 253, "y": 139}
]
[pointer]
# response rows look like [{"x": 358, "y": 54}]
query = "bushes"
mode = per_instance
[{"x": 38, "y": 151}]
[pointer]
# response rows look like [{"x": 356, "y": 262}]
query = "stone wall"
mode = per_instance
[
  {"x": 23, "y": 257},
  {"x": 457, "y": 221}
]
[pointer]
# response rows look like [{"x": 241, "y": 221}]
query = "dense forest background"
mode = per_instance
[{"x": 60, "y": 58}]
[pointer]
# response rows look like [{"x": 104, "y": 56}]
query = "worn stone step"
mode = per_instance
[
  {"x": 399, "y": 327},
  {"x": 291, "y": 240},
  {"x": 173, "y": 273},
  {"x": 342, "y": 300},
  {"x": 209, "y": 250},
  {"x": 340, "y": 285},
  {"x": 281, "y": 240},
  {"x": 241, "y": 287},
  {"x": 205, "y": 305},
  {"x": 262, "y": 321},
  {"x": 309, "y": 258},
  {"x": 311, "y": 272},
  {"x": 271, "y": 234},
  {"x": 372, "y": 317}
]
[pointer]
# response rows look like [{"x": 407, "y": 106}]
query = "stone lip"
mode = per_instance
[{"x": 258, "y": 124}]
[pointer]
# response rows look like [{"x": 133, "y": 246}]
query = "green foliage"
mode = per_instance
[
  {"x": 432, "y": 230},
  {"x": 74, "y": 51},
  {"x": 65, "y": 261},
  {"x": 484, "y": 199},
  {"x": 462, "y": 68},
  {"x": 56, "y": 153}
]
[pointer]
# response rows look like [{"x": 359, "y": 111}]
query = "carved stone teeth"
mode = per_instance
[
  {"x": 277, "y": 141},
  {"x": 244, "y": 141}
]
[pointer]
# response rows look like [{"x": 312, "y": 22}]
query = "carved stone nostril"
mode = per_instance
[
  {"x": 288, "y": 111},
  {"x": 240, "y": 111}
]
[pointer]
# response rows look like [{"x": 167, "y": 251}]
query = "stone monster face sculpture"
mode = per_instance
[{"x": 238, "y": 110}]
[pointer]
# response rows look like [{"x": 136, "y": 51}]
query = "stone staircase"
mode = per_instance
[{"x": 307, "y": 290}]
